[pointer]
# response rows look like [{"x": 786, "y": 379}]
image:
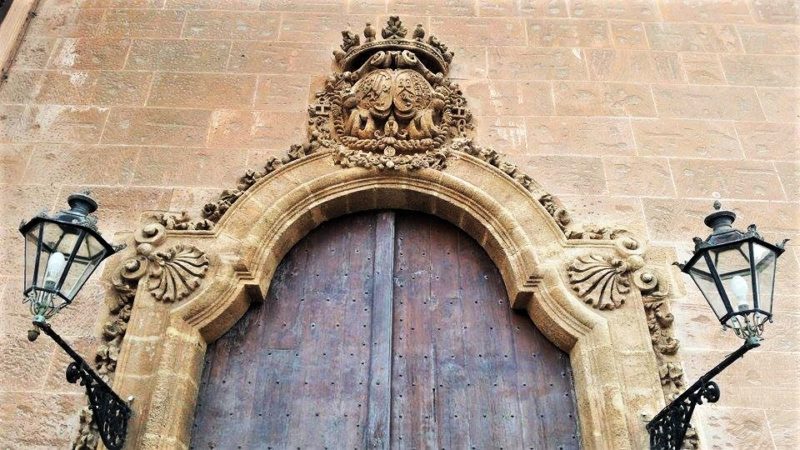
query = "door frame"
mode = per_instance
[{"x": 183, "y": 288}]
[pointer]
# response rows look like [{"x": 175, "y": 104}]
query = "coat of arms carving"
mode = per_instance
[{"x": 390, "y": 104}]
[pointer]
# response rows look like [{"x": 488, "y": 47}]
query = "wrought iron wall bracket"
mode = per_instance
[
  {"x": 668, "y": 428},
  {"x": 109, "y": 411}
]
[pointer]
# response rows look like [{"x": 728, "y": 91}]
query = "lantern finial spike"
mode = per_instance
[{"x": 717, "y": 205}]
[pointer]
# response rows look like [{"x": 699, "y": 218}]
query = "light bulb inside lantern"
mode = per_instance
[
  {"x": 55, "y": 268},
  {"x": 740, "y": 290}
]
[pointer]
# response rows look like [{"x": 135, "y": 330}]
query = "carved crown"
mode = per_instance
[{"x": 431, "y": 52}]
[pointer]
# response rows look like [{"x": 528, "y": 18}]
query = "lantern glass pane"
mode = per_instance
[
  {"x": 733, "y": 267},
  {"x": 764, "y": 261},
  {"x": 31, "y": 252},
  {"x": 704, "y": 280},
  {"x": 87, "y": 257}
]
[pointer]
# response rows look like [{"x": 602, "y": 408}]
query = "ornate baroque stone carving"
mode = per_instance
[
  {"x": 172, "y": 275},
  {"x": 665, "y": 347},
  {"x": 606, "y": 281},
  {"x": 390, "y": 105}
]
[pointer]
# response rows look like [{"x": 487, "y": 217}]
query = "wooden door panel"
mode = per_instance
[
  {"x": 294, "y": 371},
  {"x": 469, "y": 372},
  {"x": 385, "y": 330}
]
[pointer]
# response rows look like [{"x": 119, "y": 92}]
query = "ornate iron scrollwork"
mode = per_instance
[
  {"x": 668, "y": 428},
  {"x": 110, "y": 412}
]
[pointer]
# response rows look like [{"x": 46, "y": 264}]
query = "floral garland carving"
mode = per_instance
[
  {"x": 665, "y": 347},
  {"x": 172, "y": 274}
]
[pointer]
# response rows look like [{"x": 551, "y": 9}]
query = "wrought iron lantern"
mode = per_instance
[
  {"x": 735, "y": 271},
  {"x": 61, "y": 253}
]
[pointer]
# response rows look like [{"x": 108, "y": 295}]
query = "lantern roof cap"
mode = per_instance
[{"x": 721, "y": 223}]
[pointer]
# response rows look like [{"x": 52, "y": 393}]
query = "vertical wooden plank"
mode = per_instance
[{"x": 380, "y": 364}]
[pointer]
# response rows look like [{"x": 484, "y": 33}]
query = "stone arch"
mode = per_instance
[{"x": 174, "y": 318}]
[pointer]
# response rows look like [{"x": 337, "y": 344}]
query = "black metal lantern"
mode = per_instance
[
  {"x": 735, "y": 271},
  {"x": 61, "y": 252}
]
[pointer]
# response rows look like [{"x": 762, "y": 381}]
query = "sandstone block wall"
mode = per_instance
[{"x": 634, "y": 112}]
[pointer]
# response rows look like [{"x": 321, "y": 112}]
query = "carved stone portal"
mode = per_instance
[{"x": 390, "y": 131}]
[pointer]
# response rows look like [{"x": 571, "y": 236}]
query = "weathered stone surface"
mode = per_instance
[
  {"x": 735, "y": 11},
  {"x": 516, "y": 63},
  {"x": 766, "y": 39},
  {"x": 649, "y": 177},
  {"x": 278, "y": 57},
  {"x": 81, "y": 164},
  {"x": 603, "y": 99},
  {"x": 506, "y": 134},
  {"x": 550, "y": 8},
  {"x": 691, "y": 37},
  {"x": 781, "y": 12},
  {"x": 21, "y": 86},
  {"x": 780, "y": 105},
  {"x": 80, "y": 87},
  {"x": 646, "y": 10},
  {"x": 85, "y": 53},
  {"x": 55, "y": 123},
  {"x": 142, "y": 23},
  {"x": 34, "y": 53},
  {"x": 580, "y": 136},
  {"x": 187, "y": 167},
  {"x": 566, "y": 33},
  {"x": 634, "y": 66},
  {"x": 574, "y": 175},
  {"x": 178, "y": 55},
  {"x": 23, "y": 423},
  {"x": 480, "y": 32},
  {"x": 737, "y": 103},
  {"x": 13, "y": 161},
  {"x": 255, "y": 129},
  {"x": 628, "y": 34},
  {"x": 762, "y": 70},
  {"x": 773, "y": 141},
  {"x": 287, "y": 93},
  {"x": 202, "y": 90},
  {"x": 746, "y": 180},
  {"x": 703, "y": 68},
  {"x": 157, "y": 126},
  {"x": 686, "y": 138}
]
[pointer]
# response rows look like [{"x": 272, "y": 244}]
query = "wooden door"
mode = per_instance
[{"x": 385, "y": 330}]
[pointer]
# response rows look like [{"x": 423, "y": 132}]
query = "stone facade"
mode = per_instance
[{"x": 636, "y": 114}]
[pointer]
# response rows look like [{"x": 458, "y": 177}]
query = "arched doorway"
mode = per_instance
[{"x": 385, "y": 330}]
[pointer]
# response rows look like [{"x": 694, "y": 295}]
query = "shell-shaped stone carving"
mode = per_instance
[
  {"x": 176, "y": 273},
  {"x": 602, "y": 281}
]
